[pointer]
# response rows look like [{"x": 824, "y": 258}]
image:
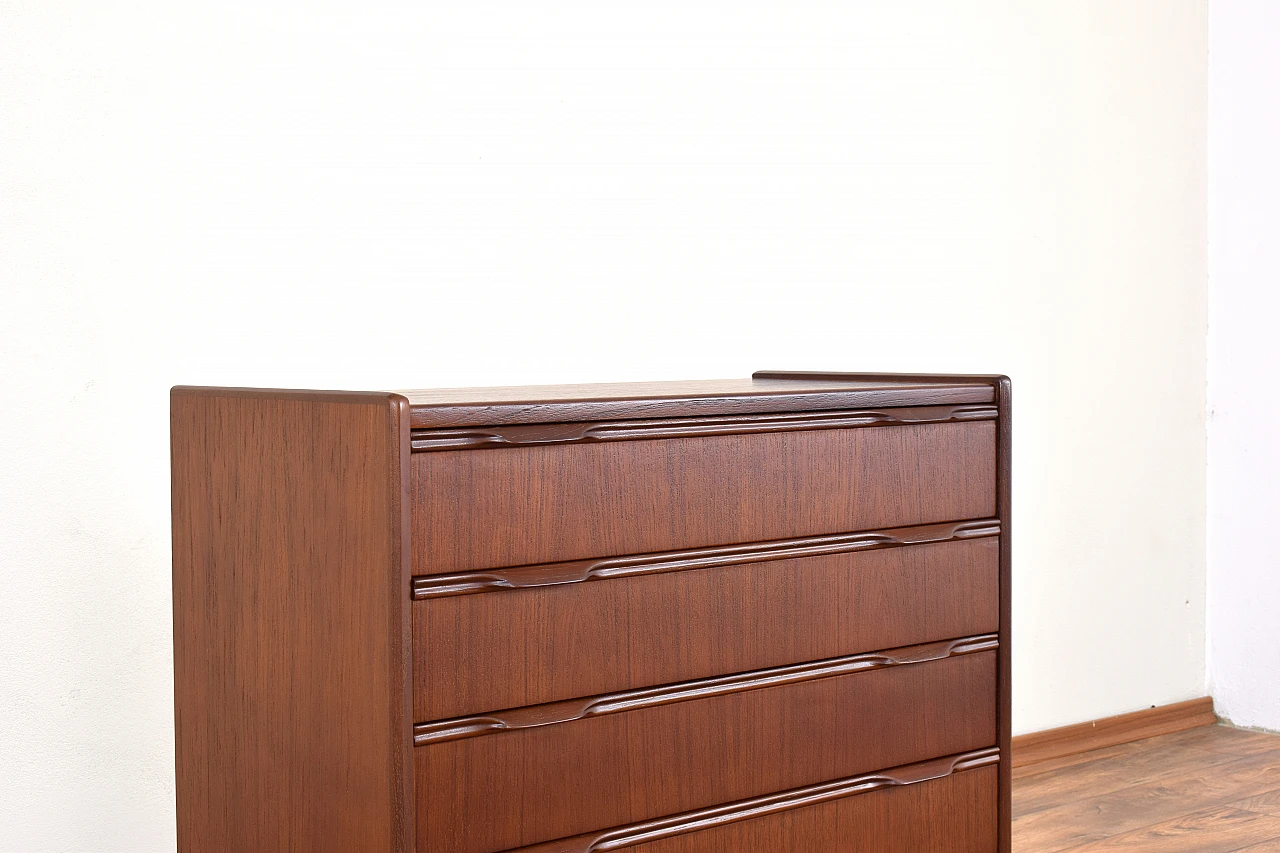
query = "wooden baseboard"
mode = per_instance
[{"x": 1083, "y": 737}]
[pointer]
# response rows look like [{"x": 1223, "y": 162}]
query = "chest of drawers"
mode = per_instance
[{"x": 758, "y": 615}]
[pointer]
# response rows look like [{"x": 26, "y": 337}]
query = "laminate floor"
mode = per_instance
[{"x": 1213, "y": 789}]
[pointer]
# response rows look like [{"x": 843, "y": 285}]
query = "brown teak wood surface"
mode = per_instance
[
  {"x": 1211, "y": 789},
  {"x": 770, "y": 821},
  {"x": 291, "y": 647},
  {"x": 757, "y": 614},
  {"x": 504, "y": 790},
  {"x": 524, "y": 505},
  {"x": 952, "y": 815},
  {"x": 955, "y": 814},
  {"x": 499, "y": 650}
]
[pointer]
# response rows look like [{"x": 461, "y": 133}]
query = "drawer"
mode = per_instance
[
  {"x": 522, "y": 786},
  {"x": 508, "y": 648},
  {"x": 955, "y": 813},
  {"x": 489, "y": 508}
]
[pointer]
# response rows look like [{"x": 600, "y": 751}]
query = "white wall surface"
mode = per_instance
[
  {"x": 1244, "y": 354},
  {"x": 373, "y": 195}
]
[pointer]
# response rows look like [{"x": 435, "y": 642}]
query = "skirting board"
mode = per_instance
[{"x": 1069, "y": 740}]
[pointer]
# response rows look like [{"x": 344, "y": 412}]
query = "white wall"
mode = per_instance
[
  {"x": 1244, "y": 354},
  {"x": 386, "y": 195}
]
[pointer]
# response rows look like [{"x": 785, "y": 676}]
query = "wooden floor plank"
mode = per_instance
[
  {"x": 1222, "y": 830},
  {"x": 1268, "y": 803},
  {"x": 1224, "y": 739},
  {"x": 1105, "y": 775},
  {"x": 1095, "y": 818},
  {"x": 1212, "y": 789}
]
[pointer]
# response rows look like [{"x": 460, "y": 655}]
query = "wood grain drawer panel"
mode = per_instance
[
  {"x": 954, "y": 814},
  {"x": 504, "y": 790},
  {"x": 479, "y": 509},
  {"x": 477, "y": 653}
]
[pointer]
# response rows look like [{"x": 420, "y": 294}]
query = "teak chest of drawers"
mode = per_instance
[{"x": 688, "y": 617}]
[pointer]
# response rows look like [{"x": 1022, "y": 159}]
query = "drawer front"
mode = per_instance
[
  {"x": 489, "y": 508},
  {"x": 506, "y": 789},
  {"x": 509, "y": 648},
  {"x": 954, "y": 814}
]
